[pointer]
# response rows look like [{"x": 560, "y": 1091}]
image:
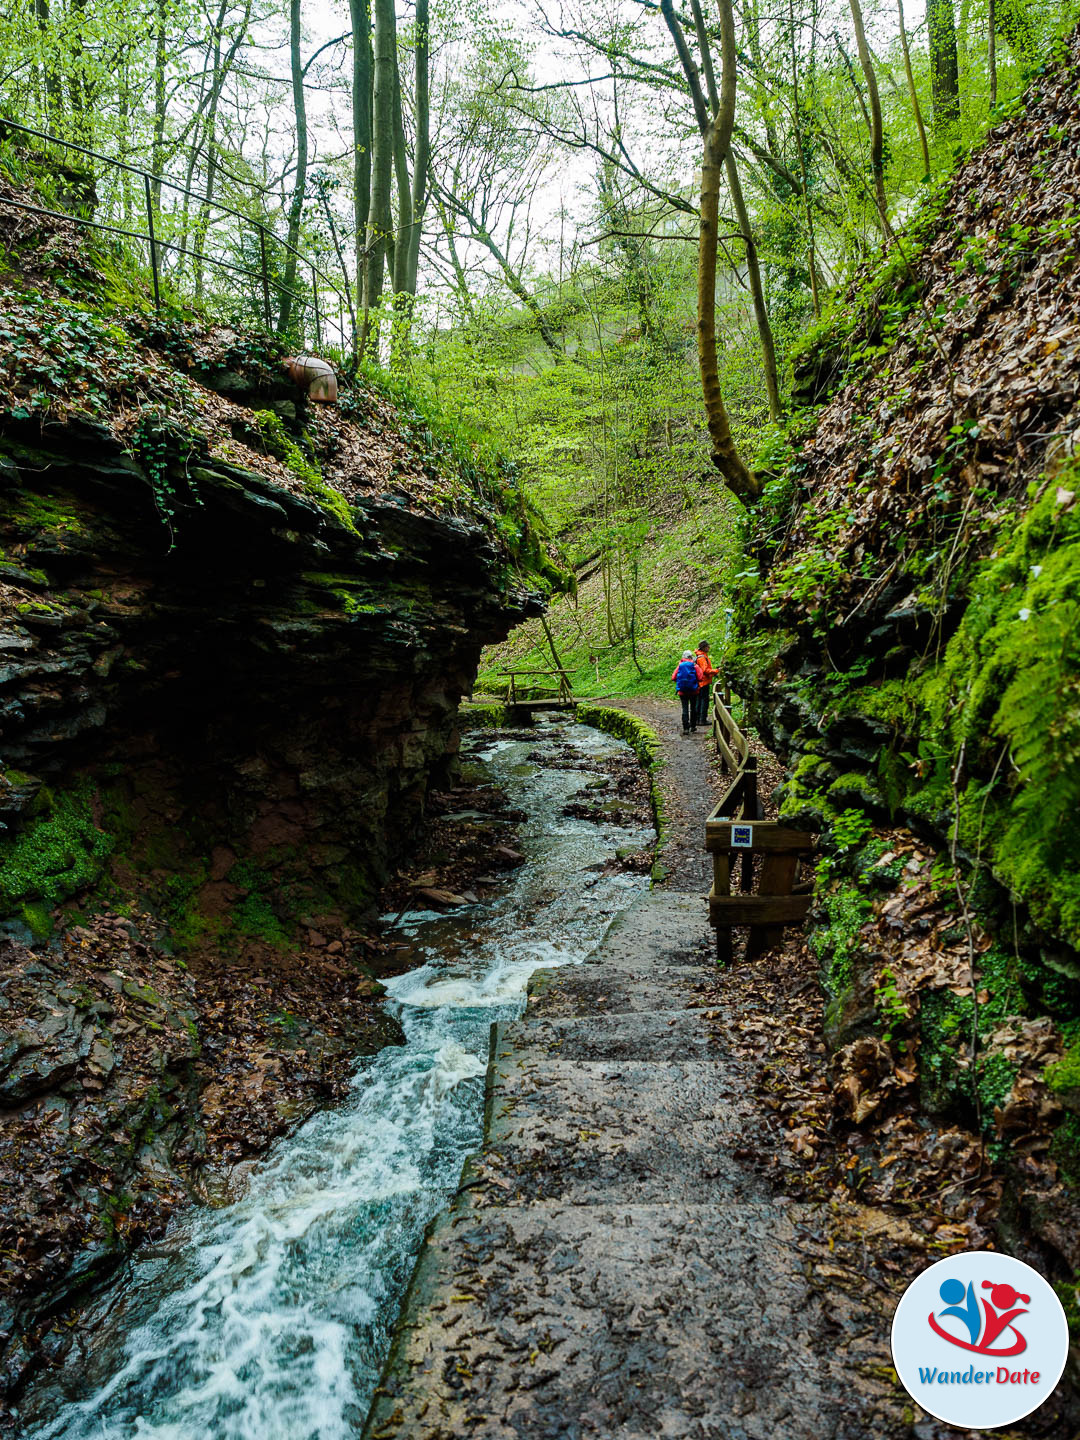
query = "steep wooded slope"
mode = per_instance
[{"x": 912, "y": 647}]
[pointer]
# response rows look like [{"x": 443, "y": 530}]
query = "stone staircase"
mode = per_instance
[{"x": 612, "y": 1265}]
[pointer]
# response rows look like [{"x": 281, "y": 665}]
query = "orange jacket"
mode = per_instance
[{"x": 705, "y": 669}]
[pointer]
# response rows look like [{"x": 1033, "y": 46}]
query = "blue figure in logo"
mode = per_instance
[{"x": 953, "y": 1293}]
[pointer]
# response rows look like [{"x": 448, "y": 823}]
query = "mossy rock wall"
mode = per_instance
[{"x": 247, "y": 721}]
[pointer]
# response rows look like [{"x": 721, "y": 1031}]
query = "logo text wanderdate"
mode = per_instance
[{"x": 1002, "y": 1376}]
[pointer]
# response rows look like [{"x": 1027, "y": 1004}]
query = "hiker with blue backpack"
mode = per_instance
[{"x": 688, "y": 678}]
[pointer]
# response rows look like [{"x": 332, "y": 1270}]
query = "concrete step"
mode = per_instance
[
  {"x": 590, "y": 1132},
  {"x": 598, "y": 988},
  {"x": 642, "y": 1322}
]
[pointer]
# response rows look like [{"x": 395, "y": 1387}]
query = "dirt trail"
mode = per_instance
[{"x": 691, "y": 784}]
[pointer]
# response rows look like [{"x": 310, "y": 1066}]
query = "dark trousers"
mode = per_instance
[
  {"x": 703, "y": 705},
  {"x": 689, "y": 708}
]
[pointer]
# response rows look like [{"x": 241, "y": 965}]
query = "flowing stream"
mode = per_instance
[{"x": 270, "y": 1319}]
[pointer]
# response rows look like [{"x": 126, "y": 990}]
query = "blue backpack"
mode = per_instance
[{"x": 686, "y": 676}]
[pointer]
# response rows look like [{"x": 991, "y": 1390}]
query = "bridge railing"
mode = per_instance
[
  {"x": 731, "y": 744},
  {"x": 319, "y": 310},
  {"x": 525, "y": 686},
  {"x": 736, "y": 836}
]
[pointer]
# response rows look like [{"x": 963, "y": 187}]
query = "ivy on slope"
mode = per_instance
[{"x": 79, "y": 341}]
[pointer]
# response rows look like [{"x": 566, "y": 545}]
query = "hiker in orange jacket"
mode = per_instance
[{"x": 708, "y": 676}]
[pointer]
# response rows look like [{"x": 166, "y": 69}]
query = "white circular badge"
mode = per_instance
[{"x": 979, "y": 1340}]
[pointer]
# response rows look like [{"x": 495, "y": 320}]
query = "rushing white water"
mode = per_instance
[{"x": 270, "y": 1319}]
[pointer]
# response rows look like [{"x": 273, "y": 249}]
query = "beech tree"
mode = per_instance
[{"x": 715, "y": 122}]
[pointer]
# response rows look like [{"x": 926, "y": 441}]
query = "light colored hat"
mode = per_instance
[{"x": 688, "y": 654}]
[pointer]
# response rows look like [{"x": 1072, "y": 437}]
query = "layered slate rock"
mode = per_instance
[
  {"x": 297, "y": 671},
  {"x": 612, "y": 1264}
]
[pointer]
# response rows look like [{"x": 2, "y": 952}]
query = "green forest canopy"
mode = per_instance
[{"x": 504, "y": 203}]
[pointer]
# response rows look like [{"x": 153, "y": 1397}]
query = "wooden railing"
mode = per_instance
[
  {"x": 735, "y": 832},
  {"x": 553, "y": 687},
  {"x": 731, "y": 744}
]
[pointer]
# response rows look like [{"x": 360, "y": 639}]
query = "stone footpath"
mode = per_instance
[{"x": 613, "y": 1264}]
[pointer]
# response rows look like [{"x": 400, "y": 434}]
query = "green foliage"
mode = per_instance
[
  {"x": 279, "y": 443},
  {"x": 1069, "y": 1295},
  {"x": 1065, "y": 1073},
  {"x": 1065, "y": 1153},
  {"x": 945, "y": 1072},
  {"x": 891, "y": 1006},
  {"x": 835, "y": 942},
  {"x": 1011, "y": 678},
  {"x": 160, "y": 444},
  {"x": 482, "y": 716},
  {"x": 255, "y": 917},
  {"x": 59, "y": 851},
  {"x": 51, "y": 349},
  {"x": 652, "y": 588},
  {"x": 849, "y": 830}
]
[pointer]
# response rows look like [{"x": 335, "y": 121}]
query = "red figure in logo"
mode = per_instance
[{"x": 1002, "y": 1298}]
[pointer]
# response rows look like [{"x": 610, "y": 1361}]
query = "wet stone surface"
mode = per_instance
[{"x": 614, "y": 1263}]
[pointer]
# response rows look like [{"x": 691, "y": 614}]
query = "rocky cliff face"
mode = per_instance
[
  {"x": 234, "y": 631},
  {"x": 298, "y": 676}
]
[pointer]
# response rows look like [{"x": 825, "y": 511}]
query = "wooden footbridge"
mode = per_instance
[
  {"x": 751, "y": 850},
  {"x": 530, "y": 691}
]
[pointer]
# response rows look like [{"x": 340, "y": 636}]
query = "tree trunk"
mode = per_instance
[
  {"x": 82, "y": 124},
  {"x": 54, "y": 94},
  {"x": 157, "y": 148},
  {"x": 397, "y": 248},
  {"x": 944, "y": 64},
  {"x": 203, "y": 222},
  {"x": 725, "y": 454},
  {"x": 753, "y": 267},
  {"x": 717, "y": 144},
  {"x": 380, "y": 222},
  {"x": 360, "y": 12},
  {"x": 915, "y": 106},
  {"x": 296, "y": 209},
  {"x": 877, "y": 134},
  {"x": 422, "y": 156}
]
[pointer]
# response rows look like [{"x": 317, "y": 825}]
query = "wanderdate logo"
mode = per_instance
[{"x": 996, "y": 1309}]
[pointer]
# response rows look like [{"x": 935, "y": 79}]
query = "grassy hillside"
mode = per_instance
[{"x": 688, "y": 555}]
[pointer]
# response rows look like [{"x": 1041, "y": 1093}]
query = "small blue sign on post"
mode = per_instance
[{"x": 742, "y": 837}]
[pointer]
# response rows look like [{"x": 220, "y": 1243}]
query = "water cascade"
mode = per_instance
[{"x": 270, "y": 1318}]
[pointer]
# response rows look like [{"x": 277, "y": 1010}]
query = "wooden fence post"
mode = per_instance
[{"x": 750, "y": 812}]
